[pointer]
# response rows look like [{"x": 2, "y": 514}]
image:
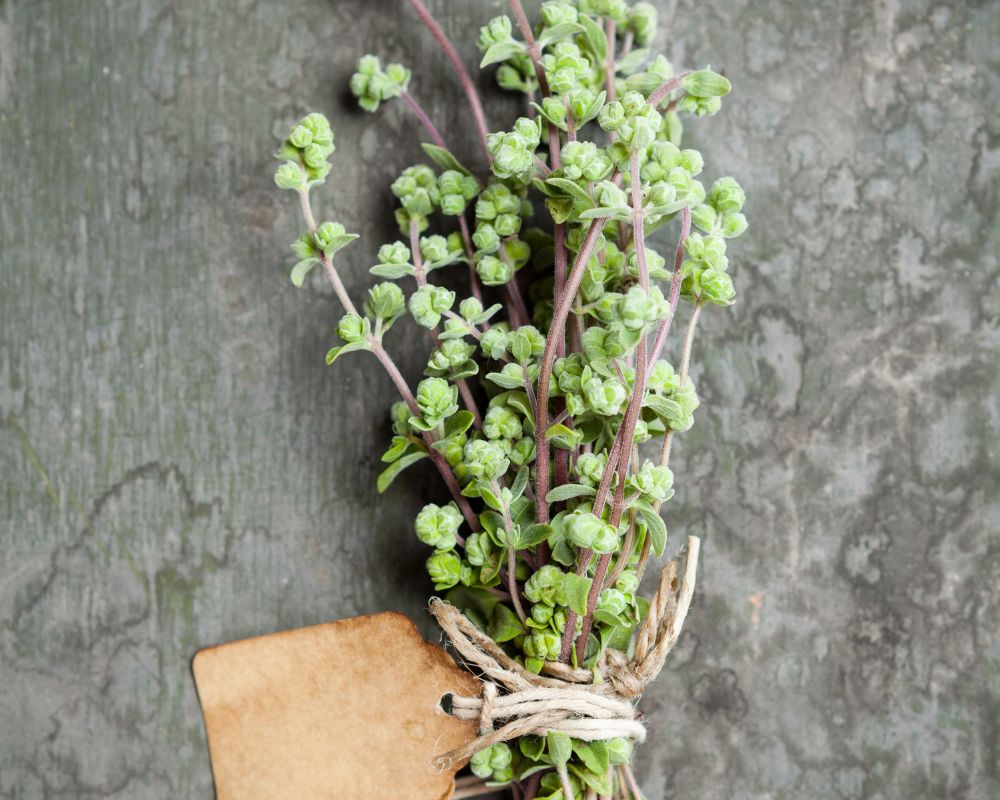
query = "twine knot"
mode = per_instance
[{"x": 587, "y": 705}]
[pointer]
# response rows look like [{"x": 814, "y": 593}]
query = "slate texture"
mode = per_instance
[{"x": 179, "y": 468}]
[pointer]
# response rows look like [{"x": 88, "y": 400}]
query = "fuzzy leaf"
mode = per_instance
[
  {"x": 576, "y": 587},
  {"x": 563, "y": 437},
  {"x": 560, "y": 748},
  {"x": 533, "y": 535},
  {"x": 632, "y": 61},
  {"x": 594, "y": 755},
  {"x": 302, "y": 269},
  {"x": 705, "y": 83},
  {"x": 388, "y": 475},
  {"x": 558, "y": 32},
  {"x": 501, "y": 51},
  {"x": 596, "y": 39},
  {"x": 572, "y": 189},
  {"x": 657, "y": 527},
  {"x": 336, "y": 352},
  {"x": 392, "y": 271},
  {"x": 505, "y": 625},
  {"x": 443, "y": 158},
  {"x": 458, "y": 423},
  {"x": 568, "y": 491}
]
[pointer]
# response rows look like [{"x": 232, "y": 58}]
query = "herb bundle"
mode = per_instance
[{"x": 549, "y": 415}]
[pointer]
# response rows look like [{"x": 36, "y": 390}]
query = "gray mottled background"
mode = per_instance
[{"x": 179, "y": 468}]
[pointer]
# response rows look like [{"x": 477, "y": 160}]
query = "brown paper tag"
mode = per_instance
[{"x": 348, "y": 709}]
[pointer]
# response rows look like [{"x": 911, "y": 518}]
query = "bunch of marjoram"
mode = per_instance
[{"x": 549, "y": 413}]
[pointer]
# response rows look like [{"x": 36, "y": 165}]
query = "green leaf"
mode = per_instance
[
  {"x": 560, "y": 124},
  {"x": 662, "y": 406},
  {"x": 466, "y": 598},
  {"x": 400, "y": 444},
  {"x": 632, "y": 61},
  {"x": 623, "y": 212},
  {"x": 443, "y": 158},
  {"x": 568, "y": 491},
  {"x": 573, "y": 189},
  {"x": 518, "y": 400},
  {"x": 338, "y": 242},
  {"x": 594, "y": 755},
  {"x": 505, "y": 625},
  {"x": 560, "y": 747},
  {"x": 600, "y": 783},
  {"x": 596, "y": 38},
  {"x": 557, "y": 33},
  {"x": 560, "y": 208},
  {"x": 533, "y": 535},
  {"x": 577, "y": 587},
  {"x": 705, "y": 83},
  {"x": 392, "y": 271},
  {"x": 505, "y": 381},
  {"x": 336, "y": 352},
  {"x": 501, "y": 51},
  {"x": 490, "y": 499},
  {"x": 491, "y": 569},
  {"x": 657, "y": 527},
  {"x": 520, "y": 483},
  {"x": 457, "y": 423},
  {"x": 563, "y": 437},
  {"x": 388, "y": 475},
  {"x": 302, "y": 269},
  {"x": 644, "y": 82}
]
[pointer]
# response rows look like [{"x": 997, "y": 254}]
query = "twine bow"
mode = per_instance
[{"x": 587, "y": 705}]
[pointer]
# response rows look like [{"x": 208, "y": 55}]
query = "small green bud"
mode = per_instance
[
  {"x": 470, "y": 308},
  {"x": 627, "y": 583},
  {"x": 612, "y": 601},
  {"x": 385, "y": 302},
  {"x": 544, "y": 645},
  {"x": 662, "y": 378},
  {"x": 486, "y": 238},
  {"x": 726, "y": 195},
  {"x": 485, "y": 460},
  {"x": 733, "y": 225},
  {"x": 545, "y": 586},
  {"x": 433, "y": 248},
  {"x": 526, "y": 343},
  {"x": 452, "y": 354},
  {"x": 494, "y": 272},
  {"x": 654, "y": 482},
  {"x": 642, "y": 23},
  {"x": 502, "y": 422},
  {"x": 497, "y": 30},
  {"x": 557, "y": 12},
  {"x": 395, "y": 253},
  {"x": 716, "y": 286},
  {"x": 590, "y": 467},
  {"x": 428, "y": 303},
  {"x": 290, "y": 176},
  {"x": 492, "y": 762},
  {"x": 437, "y": 525},
  {"x": 605, "y": 396},
  {"x": 478, "y": 548},
  {"x": 494, "y": 343},
  {"x": 445, "y": 569},
  {"x": 351, "y": 328},
  {"x": 587, "y": 530},
  {"x": 437, "y": 400}
]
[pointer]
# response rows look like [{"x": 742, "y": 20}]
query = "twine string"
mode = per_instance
[{"x": 585, "y": 704}]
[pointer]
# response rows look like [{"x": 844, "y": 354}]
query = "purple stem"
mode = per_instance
[{"x": 460, "y": 71}]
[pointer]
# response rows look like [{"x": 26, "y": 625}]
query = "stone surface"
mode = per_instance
[{"x": 180, "y": 469}]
